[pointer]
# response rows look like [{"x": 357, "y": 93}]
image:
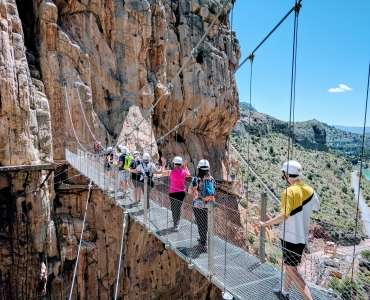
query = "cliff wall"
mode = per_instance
[{"x": 79, "y": 70}]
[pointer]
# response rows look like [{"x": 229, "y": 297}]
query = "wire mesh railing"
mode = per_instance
[{"x": 221, "y": 241}]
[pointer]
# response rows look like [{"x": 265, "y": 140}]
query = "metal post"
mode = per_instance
[
  {"x": 263, "y": 229},
  {"x": 210, "y": 206},
  {"x": 145, "y": 200},
  {"x": 115, "y": 172},
  {"x": 120, "y": 253}
]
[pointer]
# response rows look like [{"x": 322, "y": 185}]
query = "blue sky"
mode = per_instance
[{"x": 333, "y": 53}]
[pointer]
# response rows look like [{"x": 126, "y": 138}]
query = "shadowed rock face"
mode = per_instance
[{"x": 122, "y": 55}]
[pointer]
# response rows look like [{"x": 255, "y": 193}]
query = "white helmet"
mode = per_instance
[
  {"x": 146, "y": 157},
  {"x": 136, "y": 153},
  {"x": 203, "y": 164},
  {"x": 177, "y": 160},
  {"x": 292, "y": 167},
  {"x": 124, "y": 149},
  {"x": 109, "y": 149}
]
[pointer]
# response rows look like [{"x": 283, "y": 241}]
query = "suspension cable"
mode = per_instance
[
  {"x": 64, "y": 84},
  {"x": 77, "y": 85},
  {"x": 359, "y": 180},
  {"x": 120, "y": 252},
  {"x": 296, "y": 8},
  {"x": 186, "y": 60},
  {"x": 267, "y": 36},
  {"x": 81, "y": 235}
]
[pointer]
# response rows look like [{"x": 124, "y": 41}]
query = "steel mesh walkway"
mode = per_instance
[{"x": 230, "y": 267}]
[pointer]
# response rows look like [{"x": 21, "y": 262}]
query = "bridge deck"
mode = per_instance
[{"x": 235, "y": 269}]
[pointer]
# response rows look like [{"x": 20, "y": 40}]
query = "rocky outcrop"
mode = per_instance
[
  {"x": 24, "y": 110},
  {"x": 123, "y": 55},
  {"x": 148, "y": 270},
  {"x": 75, "y": 71},
  {"x": 309, "y": 134}
]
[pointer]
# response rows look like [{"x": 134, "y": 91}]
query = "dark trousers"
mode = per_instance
[
  {"x": 202, "y": 221},
  {"x": 150, "y": 186},
  {"x": 176, "y": 200}
]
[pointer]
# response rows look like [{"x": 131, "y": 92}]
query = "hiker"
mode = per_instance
[
  {"x": 177, "y": 187},
  {"x": 124, "y": 162},
  {"x": 232, "y": 174},
  {"x": 297, "y": 203},
  {"x": 147, "y": 168},
  {"x": 108, "y": 165},
  {"x": 199, "y": 188},
  {"x": 135, "y": 177},
  {"x": 97, "y": 147}
]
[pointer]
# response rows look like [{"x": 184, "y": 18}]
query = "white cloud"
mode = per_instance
[{"x": 341, "y": 89}]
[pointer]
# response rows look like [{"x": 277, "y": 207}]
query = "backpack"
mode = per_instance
[
  {"x": 127, "y": 161},
  {"x": 136, "y": 162},
  {"x": 208, "y": 191}
]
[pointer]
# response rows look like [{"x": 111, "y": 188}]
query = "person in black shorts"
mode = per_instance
[
  {"x": 297, "y": 203},
  {"x": 136, "y": 176}
]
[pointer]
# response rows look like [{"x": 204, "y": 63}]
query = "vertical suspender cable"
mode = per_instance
[
  {"x": 228, "y": 142},
  {"x": 81, "y": 235},
  {"x": 120, "y": 252},
  {"x": 359, "y": 180},
  {"x": 77, "y": 85},
  {"x": 296, "y": 8}
]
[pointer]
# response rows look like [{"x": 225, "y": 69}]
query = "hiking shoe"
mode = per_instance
[
  {"x": 176, "y": 228},
  {"x": 280, "y": 294}
]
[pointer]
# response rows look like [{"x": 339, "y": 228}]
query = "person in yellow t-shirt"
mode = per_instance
[{"x": 297, "y": 203}]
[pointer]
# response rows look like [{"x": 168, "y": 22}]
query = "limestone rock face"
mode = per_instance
[
  {"x": 24, "y": 111},
  {"x": 123, "y": 55}
]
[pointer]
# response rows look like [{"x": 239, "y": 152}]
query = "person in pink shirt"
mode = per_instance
[{"x": 177, "y": 187}]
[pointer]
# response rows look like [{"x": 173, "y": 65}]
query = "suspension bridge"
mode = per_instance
[
  {"x": 227, "y": 263},
  {"x": 236, "y": 258}
]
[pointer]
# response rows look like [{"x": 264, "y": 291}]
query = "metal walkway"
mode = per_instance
[{"x": 227, "y": 264}]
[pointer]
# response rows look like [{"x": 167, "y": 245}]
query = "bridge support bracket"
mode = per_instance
[
  {"x": 166, "y": 246},
  {"x": 191, "y": 266}
]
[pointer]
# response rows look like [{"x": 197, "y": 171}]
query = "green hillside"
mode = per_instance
[{"x": 328, "y": 172}]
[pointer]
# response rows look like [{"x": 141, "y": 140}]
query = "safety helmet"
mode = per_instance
[
  {"x": 292, "y": 167},
  {"x": 136, "y": 153},
  {"x": 124, "y": 149},
  {"x": 203, "y": 164},
  {"x": 146, "y": 157},
  {"x": 177, "y": 160},
  {"x": 109, "y": 149}
]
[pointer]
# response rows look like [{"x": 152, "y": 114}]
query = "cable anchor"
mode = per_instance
[
  {"x": 170, "y": 87},
  {"x": 125, "y": 138},
  {"x": 64, "y": 83},
  {"x": 151, "y": 111},
  {"x": 251, "y": 57},
  {"x": 136, "y": 127},
  {"x": 219, "y": 87},
  {"x": 195, "y": 112},
  {"x": 177, "y": 127},
  {"x": 161, "y": 139},
  {"x": 297, "y": 7}
]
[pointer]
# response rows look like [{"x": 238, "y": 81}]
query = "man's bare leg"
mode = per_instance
[{"x": 293, "y": 275}]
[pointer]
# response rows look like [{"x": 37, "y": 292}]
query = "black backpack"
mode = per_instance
[{"x": 135, "y": 162}]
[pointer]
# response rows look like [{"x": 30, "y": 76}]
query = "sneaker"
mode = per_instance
[
  {"x": 176, "y": 228},
  {"x": 279, "y": 293}
]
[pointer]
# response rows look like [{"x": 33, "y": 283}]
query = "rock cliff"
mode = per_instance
[
  {"x": 76, "y": 71},
  {"x": 309, "y": 134}
]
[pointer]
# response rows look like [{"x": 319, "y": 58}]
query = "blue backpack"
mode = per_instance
[{"x": 208, "y": 191}]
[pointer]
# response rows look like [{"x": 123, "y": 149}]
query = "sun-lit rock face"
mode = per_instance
[
  {"x": 124, "y": 54},
  {"x": 24, "y": 110},
  {"x": 79, "y": 70}
]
